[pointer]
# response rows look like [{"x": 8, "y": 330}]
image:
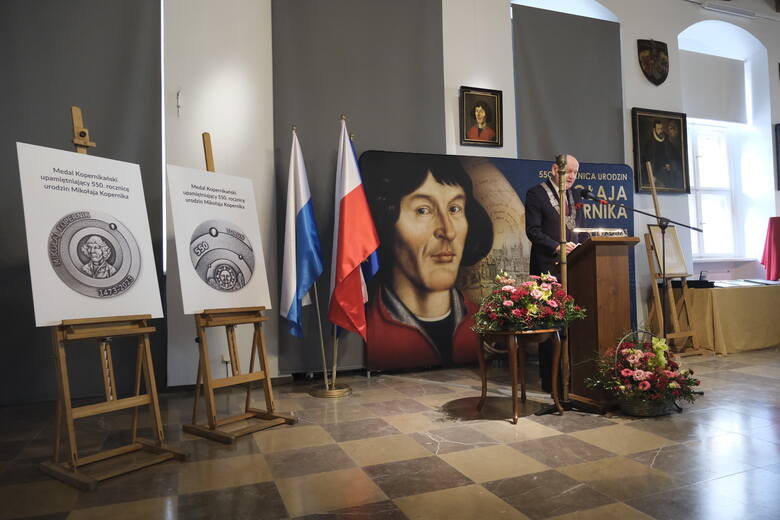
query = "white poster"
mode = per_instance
[
  {"x": 88, "y": 238},
  {"x": 218, "y": 247}
]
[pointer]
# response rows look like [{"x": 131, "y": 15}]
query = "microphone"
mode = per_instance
[{"x": 585, "y": 193}]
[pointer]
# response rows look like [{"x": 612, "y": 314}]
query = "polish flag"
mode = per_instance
[{"x": 354, "y": 240}]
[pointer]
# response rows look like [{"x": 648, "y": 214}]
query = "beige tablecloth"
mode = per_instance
[{"x": 734, "y": 319}]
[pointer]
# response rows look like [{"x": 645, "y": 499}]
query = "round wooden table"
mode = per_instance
[{"x": 515, "y": 346}]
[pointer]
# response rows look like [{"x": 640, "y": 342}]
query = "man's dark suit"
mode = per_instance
[{"x": 543, "y": 225}]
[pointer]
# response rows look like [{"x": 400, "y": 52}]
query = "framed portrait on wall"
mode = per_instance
[
  {"x": 481, "y": 117},
  {"x": 661, "y": 139}
]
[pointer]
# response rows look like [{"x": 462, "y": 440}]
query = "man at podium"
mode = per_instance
[{"x": 542, "y": 226}]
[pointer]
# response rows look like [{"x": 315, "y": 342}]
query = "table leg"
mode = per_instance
[
  {"x": 483, "y": 373},
  {"x": 521, "y": 368},
  {"x": 512, "y": 347},
  {"x": 556, "y": 370}
]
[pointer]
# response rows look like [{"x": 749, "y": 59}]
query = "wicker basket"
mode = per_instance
[{"x": 646, "y": 408}]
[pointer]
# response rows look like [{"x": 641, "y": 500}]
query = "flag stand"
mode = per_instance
[
  {"x": 229, "y": 318},
  {"x": 335, "y": 390}
]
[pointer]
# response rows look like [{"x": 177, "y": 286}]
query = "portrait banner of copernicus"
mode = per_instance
[{"x": 447, "y": 225}]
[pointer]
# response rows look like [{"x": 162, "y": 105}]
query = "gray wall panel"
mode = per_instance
[
  {"x": 380, "y": 63},
  {"x": 104, "y": 57},
  {"x": 568, "y": 85}
]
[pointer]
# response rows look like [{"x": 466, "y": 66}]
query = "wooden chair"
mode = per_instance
[{"x": 515, "y": 343}]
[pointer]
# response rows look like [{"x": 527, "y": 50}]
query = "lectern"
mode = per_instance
[{"x": 598, "y": 281}]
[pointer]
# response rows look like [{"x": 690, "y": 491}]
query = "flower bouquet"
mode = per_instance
[
  {"x": 538, "y": 303},
  {"x": 642, "y": 375}
]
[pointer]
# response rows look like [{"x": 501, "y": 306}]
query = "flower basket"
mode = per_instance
[
  {"x": 536, "y": 304},
  {"x": 639, "y": 408},
  {"x": 642, "y": 375}
]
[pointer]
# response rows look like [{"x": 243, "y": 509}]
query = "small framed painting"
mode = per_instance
[{"x": 481, "y": 117}]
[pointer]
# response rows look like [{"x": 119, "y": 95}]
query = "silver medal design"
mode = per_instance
[
  {"x": 94, "y": 254},
  {"x": 222, "y": 255}
]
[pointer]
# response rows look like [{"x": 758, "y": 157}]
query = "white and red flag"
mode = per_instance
[{"x": 354, "y": 240}]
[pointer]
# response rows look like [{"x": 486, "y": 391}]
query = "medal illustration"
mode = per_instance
[
  {"x": 222, "y": 255},
  {"x": 94, "y": 254}
]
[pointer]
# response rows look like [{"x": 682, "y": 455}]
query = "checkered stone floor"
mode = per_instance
[{"x": 411, "y": 445}]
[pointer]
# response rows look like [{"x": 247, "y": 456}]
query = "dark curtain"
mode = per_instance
[
  {"x": 569, "y": 94},
  {"x": 380, "y": 64},
  {"x": 105, "y": 58}
]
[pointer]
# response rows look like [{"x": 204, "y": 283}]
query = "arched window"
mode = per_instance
[{"x": 725, "y": 86}]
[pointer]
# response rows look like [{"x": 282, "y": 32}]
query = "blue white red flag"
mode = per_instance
[
  {"x": 354, "y": 241},
  {"x": 302, "y": 259}
]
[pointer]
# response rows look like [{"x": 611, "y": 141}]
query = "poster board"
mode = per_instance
[
  {"x": 218, "y": 244},
  {"x": 88, "y": 239},
  {"x": 675, "y": 260}
]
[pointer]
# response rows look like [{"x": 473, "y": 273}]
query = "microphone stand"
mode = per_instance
[{"x": 663, "y": 223}]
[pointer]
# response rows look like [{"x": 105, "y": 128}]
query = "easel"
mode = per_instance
[
  {"x": 104, "y": 330},
  {"x": 677, "y": 307},
  {"x": 229, "y": 318}
]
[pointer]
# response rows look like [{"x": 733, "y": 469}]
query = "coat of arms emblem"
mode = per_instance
[{"x": 653, "y": 60}]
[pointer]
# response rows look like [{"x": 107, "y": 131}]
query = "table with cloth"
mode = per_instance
[
  {"x": 771, "y": 257},
  {"x": 735, "y": 319}
]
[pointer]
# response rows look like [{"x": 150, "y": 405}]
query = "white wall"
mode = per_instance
[
  {"x": 219, "y": 55},
  {"x": 477, "y": 38}
]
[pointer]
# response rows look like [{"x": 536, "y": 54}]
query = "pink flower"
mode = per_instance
[
  {"x": 550, "y": 278},
  {"x": 528, "y": 284},
  {"x": 516, "y": 313},
  {"x": 552, "y": 303},
  {"x": 670, "y": 374},
  {"x": 508, "y": 303},
  {"x": 626, "y": 372},
  {"x": 649, "y": 355},
  {"x": 545, "y": 286},
  {"x": 534, "y": 277},
  {"x": 641, "y": 375},
  {"x": 536, "y": 293},
  {"x": 644, "y": 385},
  {"x": 507, "y": 288}
]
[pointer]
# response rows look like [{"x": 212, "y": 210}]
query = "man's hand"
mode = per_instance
[{"x": 569, "y": 248}]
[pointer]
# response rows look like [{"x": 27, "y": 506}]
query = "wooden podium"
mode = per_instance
[{"x": 598, "y": 281}]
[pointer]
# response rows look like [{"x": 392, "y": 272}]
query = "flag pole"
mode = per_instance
[
  {"x": 335, "y": 353},
  {"x": 322, "y": 339}
]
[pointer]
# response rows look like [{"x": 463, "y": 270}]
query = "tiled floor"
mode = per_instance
[{"x": 411, "y": 445}]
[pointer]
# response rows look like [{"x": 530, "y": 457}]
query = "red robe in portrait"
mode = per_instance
[
  {"x": 395, "y": 340},
  {"x": 487, "y": 134}
]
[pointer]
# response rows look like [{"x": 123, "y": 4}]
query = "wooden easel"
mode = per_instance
[
  {"x": 678, "y": 337},
  {"x": 104, "y": 330},
  {"x": 229, "y": 318}
]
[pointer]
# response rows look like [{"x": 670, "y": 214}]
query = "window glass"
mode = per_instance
[
  {"x": 717, "y": 223},
  {"x": 712, "y": 160}
]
